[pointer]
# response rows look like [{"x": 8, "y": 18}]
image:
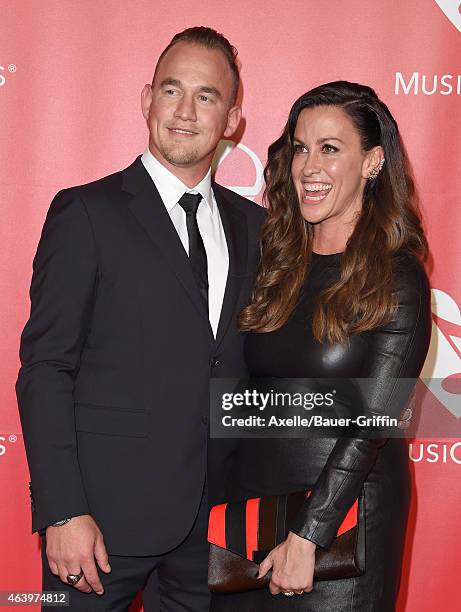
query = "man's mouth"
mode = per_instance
[
  {"x": 182, "y": 132},
  {"x": 315, "y": 192}
]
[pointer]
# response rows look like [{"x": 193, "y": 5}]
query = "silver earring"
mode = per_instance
[{"x": 376, "y": 170}]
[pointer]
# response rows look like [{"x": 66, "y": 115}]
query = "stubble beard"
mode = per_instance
[{"x": 180, "y": 157}]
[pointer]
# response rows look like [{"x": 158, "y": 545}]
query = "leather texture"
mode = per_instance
[
  {"x": 230, "y": 571},
  {"x": 398, "y": 349},
  {"x": 338, "y": 468}
]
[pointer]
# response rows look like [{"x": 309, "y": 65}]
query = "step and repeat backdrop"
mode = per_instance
[{"x": 71, "y": 73}]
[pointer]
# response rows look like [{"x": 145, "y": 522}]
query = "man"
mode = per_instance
[{"x": 137, "y": 283}]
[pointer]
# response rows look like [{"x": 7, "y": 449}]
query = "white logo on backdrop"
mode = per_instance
[
  {"x": 11, "y": 68},
  {"x": 435, "y": 453},
  {"x": 225, "y": 147},
  {"x": 6, "y": 442},
  {"x": 444, "y": 357},
  {"x": 428, "y": 85},
  {"x": 452, "y": 9}
]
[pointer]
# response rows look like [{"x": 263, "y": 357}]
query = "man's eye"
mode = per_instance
[
  {"x": 170, "y": 92},
  {"x": 204, "y": 98}
]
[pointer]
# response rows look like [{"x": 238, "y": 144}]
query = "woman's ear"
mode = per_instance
[{"x": 373, "y": 163}]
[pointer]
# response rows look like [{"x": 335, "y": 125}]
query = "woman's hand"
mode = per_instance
[{"x": 292, "y": 564}]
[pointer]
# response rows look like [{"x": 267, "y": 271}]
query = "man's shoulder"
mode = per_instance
[
  {"x": 101, "y": 187},
  {"x": 249, "y": 208}
]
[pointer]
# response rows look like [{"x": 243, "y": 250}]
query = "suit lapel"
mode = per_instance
[
  {"x": 148, "y": 208},
  {"x": 235, "y": 228}
]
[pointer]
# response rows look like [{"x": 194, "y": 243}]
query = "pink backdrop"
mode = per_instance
[{"x": 70, "y": 80}]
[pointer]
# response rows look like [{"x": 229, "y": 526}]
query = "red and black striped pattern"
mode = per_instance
[{"x": 260, "y": 524}]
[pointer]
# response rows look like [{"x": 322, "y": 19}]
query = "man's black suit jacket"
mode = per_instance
[{"x": 116, "y": 359}]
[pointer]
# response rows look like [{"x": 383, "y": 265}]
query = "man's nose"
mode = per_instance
[{"x": 185, "y": 108}]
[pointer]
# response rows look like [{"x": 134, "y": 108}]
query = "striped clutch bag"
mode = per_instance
[{"x": 241, "y": 535}]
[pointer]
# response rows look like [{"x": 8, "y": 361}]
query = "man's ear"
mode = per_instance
[
  {"x": 373, "y": 161},
  {"x": 233, "y": 119},
  {"x": 146, "y": 100}
]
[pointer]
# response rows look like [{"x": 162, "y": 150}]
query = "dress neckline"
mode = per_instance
[{"x": 321, "y": 255}]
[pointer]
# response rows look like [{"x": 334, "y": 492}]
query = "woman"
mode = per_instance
[{"x": 340, "y": 292}]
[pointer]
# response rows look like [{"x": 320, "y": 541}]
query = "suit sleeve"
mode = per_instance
[
  {"x": 62, "y": 293},
  {"x": 396, "y": 350}
]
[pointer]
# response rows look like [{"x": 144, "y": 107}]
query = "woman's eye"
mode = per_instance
[
  {"x": 299, "y": 148},
  {"x": 329, "y": 148}
]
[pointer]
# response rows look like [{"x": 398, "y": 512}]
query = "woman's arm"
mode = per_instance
[{"x": 396, "y": 350}]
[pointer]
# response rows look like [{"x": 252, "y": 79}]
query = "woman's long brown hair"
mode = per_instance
[{"x": 389, "y": 224}]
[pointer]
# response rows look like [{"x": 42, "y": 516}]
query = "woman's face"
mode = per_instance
[{"x": 329, "y": 168}]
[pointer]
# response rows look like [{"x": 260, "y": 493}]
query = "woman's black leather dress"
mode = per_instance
[{"x": 338, "y": 467}]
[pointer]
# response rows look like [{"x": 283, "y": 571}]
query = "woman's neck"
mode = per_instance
[{"x": 331, "y": 238}]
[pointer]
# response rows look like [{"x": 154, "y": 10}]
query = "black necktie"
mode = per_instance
[{"x": 197, "y": 254}]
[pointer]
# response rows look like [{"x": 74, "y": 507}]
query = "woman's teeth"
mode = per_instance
[{"x": 321, "y": 188}]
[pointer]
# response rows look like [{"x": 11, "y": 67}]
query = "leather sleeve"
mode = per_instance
[
  {"x": 396, "y": 350},
  {"x": 62, "y": 293}
]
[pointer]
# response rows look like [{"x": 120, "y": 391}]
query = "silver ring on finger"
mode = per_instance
[
  {"x": 288, "y": 593},
  {"x": 72, "y": 579}
]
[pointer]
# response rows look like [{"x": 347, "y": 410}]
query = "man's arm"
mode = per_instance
[
  {"x": 62, "y": 293},
  {"x": 63, "y": 290}
]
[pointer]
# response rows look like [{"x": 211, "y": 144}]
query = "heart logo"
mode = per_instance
[{"x": 452, "y": 9}]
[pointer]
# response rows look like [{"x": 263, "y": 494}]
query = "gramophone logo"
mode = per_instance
[
  {"x": 443, "y": 363},
  {"x": 224, "y": 149},
  {"x": 452, "y": 9}
]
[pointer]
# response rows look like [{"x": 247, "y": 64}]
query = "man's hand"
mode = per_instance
[
  {"x": 292, "y": 564},
  {"x": 74, "y": 547}
]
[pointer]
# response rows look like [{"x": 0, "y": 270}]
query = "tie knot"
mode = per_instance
[{"x": 189, "y": 202}]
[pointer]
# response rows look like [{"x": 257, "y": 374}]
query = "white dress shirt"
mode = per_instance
[{"x": 171, "y": 189}]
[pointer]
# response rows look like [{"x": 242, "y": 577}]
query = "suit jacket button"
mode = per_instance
[
  {"x": 214, "y": 362},
  {"x": 205, "y": 420}
]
